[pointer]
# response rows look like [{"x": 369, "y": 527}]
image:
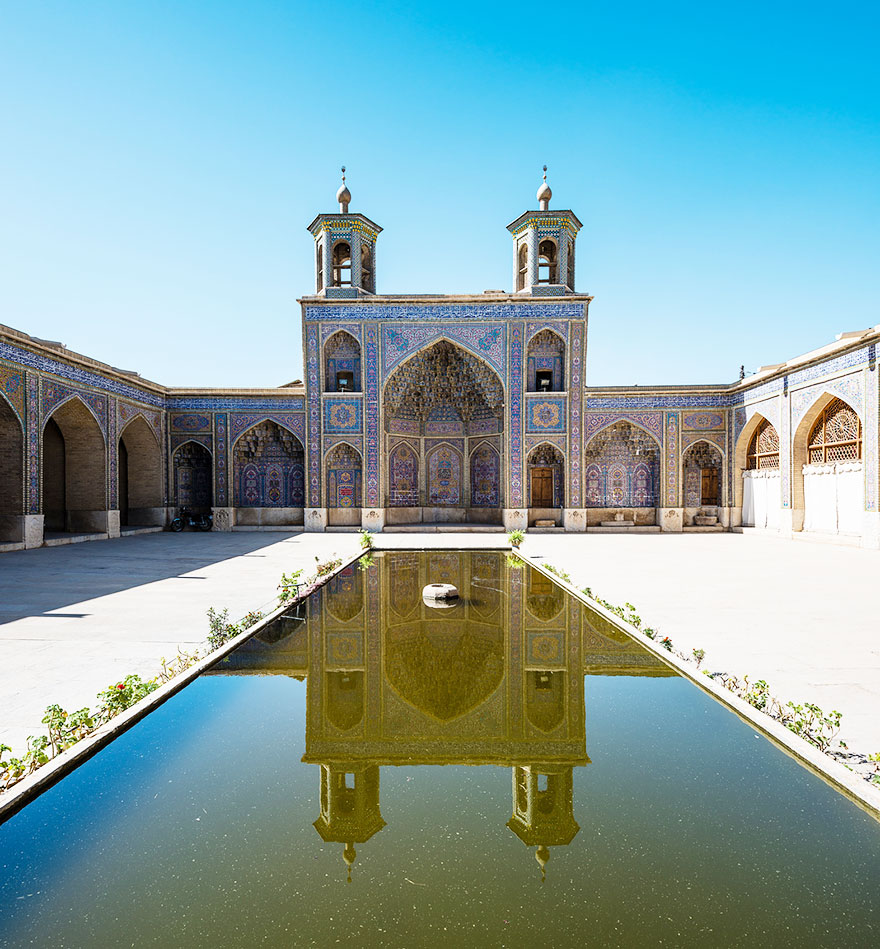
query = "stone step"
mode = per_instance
[
  {"x": 638, "y": 529},
  {"x": 617, "y": 523}
]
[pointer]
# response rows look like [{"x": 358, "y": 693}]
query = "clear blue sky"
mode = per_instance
[{"x": 161, "y": 160}]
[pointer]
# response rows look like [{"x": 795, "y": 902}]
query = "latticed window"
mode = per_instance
[
  {"x": 836, "y": 436},
  {"x": 764, "y": 447}
]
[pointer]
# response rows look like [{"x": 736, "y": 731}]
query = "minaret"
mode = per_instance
[
  {"x": 345, "y": 251},
  {"x": 543, "y": 809},
  {"x": 543, "y": 248}
]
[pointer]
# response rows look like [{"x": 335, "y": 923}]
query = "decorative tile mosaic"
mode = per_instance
[
  {"x": 313, "y": 447},
  {"x": 445, "y": 312},
  {"x": 650, "y": 421},
  {"x": 515, "y": 415},
  {"x": 703, "y": 420},
  {"x": 12, "y": 385},
  {"x": 558, "y": 326},
  {"x": 268, "y": 469},
  {"x": 485, "y": 477},
  {"x": 403, "y": 476},
  {"x": 113, "y": 457},
  {"x": 849, "y": 388},
  {"x": 622, "y": 468},
  {"x": 191, "y": 422},
  {"x": 237, "y": 403},
  {"x": 125, "y": 412},
  {"x": 444, "y": 476},
  {"x": 344, "y": 477},
  {"x": 81, "y": 377},
  {"x": 342, "y": 415},
  {"x": 545, "y": 414},
  {"x": 33, "y": 443},
  {"x": 372, "y": 415},
  {"x": 220, "y": 459},
  {"x": 400, "y": 341},
  {"x": 354, "y": 329},
  {"x": 672, "y": 454},
  {"x": 53, "y": 394},
  {"x": 576, "y": 398},
  {"x": 342, "y": 353},
  {"x": 713, "y": 438},
  {"x": 293, "y": 422}
]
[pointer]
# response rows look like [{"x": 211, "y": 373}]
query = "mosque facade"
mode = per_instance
[{"x": 430, "y": 411}]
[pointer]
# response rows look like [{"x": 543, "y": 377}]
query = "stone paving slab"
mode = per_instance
[{"x": 74, "y": 619}]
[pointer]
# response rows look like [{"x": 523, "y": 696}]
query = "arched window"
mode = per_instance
[
  {"x": 545, "y": 363},
  {"x": 367, "y": 267},
  {"x": 547, "y": 261},
  {"x": 764, "y": 447},
  {"x": 342, "y": 264},
  {"x": 836, "y": 436},
  {"x": 522, "y": 272},
  {"x": 571, "y": 265}
]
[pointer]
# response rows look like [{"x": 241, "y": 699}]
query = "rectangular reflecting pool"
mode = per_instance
[{"x": 509, "y": 771}]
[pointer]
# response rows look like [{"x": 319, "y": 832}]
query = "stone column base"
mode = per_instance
[
  {"x": 671, "y": 519},
  {"x": 315, "y": 519},
  {"x": 373, "y": 518},
  {"x": 224, "y": 518},
  {"x": 731, "y": 517},
  {"x": 32, "y": 530},
  {"x": 114, "y": 524},
  {"x": 515, "y": 518},
  {"x": 574, "y": 519}
]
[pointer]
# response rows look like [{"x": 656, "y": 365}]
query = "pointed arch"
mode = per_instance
[
  {"x": 268, "y": 470},
  {"x": 74, "y": 397},
  {"x": 827, "y": 487},
  {"x": 702, "y": 465},
  {"x": 193, "y": 465},
  {"x": 343, "y": 466},
  {"x": 442, "y": 337},
  {"x": 139, "y": 472},
  {"x": 342, "y": 363},
  {"x": 403, "y": 476},
  {"x": 545, "y": 464},
  {"x": 485, "y": 475},
  {"x": 741, "y": 452},
  {"x": 444, "y": 474},
  {"x": 545, "y": 361},
  {"x": 12, "y": 468},
  {"x": 74, "y": 453},
  {"x": 622, "y": 466}
]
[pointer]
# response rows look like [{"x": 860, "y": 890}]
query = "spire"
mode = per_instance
[
  {"x": 542, "y": 855},
  {"x": 343, "y": 195},
  {"x": 348, "y": 855},
  {"x": 544, "y": 193}
]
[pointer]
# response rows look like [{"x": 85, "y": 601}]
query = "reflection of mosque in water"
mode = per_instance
[{"x": 495, "y": 680}]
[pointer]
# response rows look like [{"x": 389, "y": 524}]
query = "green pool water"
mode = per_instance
[{"x": 373, "y": 771}]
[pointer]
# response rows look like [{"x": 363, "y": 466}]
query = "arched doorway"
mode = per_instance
[
  {"x": 193, "y": 478},
  {"x": 622, "y": 473},
  {"x": 11, "y": 475},
  {"x": 702, "y": 465},
  {"x": 344, "y": 470},
  {"x": 546, "y": 482},
  {"x": 759, "y": 488},
  {"x": 828, "y": 476},
  {"x": 139, "y": 467},
  {"x": 445, "y": 402},
  {"x": 268, "y": 476},
  {"x": 74, "y": 471}
]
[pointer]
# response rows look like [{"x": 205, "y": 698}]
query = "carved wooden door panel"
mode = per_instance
[
  {"x": 709, "y": 487},
  {"x": 542, "y": 487}
]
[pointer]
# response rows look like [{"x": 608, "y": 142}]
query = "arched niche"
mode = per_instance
[
  {"x": 342, "y": 363},
  {"x": 827, "y": 478},
  {"x": 343, "y": 468},
  {"x": 702, "y": 466},
  {"x": 403, "y": 476},
  {"x": 444, "y": 475},
  {"x": 74, "y": 456},
  {"x": 545, "y": 699},
  {"x": 193, "y": 477},
  {"x": 757, "y": 481},
  {"x": 11, "y": 474},
  {"x": 622, "y": 468},
  {"x": 139, "y": 473},
  {"x": 546, "y": 478},
  {"x": 545, "y": 362},
  {"x": 268, "y": 476},
  {"x": 344, "y": 698},
  {"x": 485, "y": 476}
]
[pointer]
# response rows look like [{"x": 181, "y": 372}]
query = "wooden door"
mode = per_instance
[
  {"x": 542, "y": 487},
  {"x": 709, "y": 486}
]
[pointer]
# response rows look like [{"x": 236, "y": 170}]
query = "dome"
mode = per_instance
[
  {"x": 544, "y": 193},
  {"x": 343, "y": 195}
]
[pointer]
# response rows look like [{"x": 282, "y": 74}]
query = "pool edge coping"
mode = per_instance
[
  {"x": 28, "y": 789},
  {"x": 839, "y": 777}
]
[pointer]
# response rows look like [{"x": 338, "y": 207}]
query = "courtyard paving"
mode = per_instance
[{"x": 802, "y": 616}]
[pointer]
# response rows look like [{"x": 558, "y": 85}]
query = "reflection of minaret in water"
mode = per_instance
[
  {"x": 349, "y": 806},
  {"x": 543, "y": 809}
]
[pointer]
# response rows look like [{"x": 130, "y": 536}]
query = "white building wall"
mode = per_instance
[
  {"x": 761, "y": 499},
  {"x": 834, "y": 498}
]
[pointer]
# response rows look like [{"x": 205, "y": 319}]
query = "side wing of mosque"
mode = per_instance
[{"x": 428, "y": 411}]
